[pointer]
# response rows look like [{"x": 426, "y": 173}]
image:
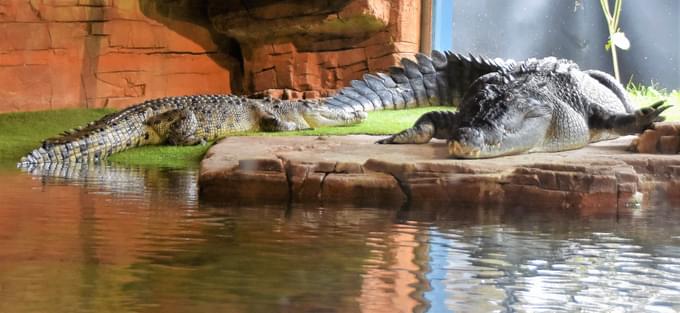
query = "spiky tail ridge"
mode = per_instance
[
  {"x": 438, "y": 80},
  {"x": 99, "y": 139}
]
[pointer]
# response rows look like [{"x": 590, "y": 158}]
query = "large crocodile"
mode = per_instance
[
  {"x": 190, "y": 120},
  {"x": 539, "y": 105}
]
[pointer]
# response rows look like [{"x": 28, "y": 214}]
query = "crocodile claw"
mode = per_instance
[
  {"x": 386, "y": 141},
  {"x": 645, "y": 117}
]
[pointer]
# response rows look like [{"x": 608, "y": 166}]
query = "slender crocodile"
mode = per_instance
[
  {"x": 539, "y": 105},
  {"x": 186, "y": 120},
  {"x": 439, "y": 80}
]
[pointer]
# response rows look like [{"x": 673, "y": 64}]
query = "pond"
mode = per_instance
[{"x": 115, "y": 239}]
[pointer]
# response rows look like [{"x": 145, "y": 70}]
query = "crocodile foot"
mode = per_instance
[
  {"x": 646, "y": 116},
  {"x": 386, "y": 141}
]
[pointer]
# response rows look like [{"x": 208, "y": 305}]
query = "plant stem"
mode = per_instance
[
  {"x": 615, "y": 62},
  {"x": 613, "y": 27}
]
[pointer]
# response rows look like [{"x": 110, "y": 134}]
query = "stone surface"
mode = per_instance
[
  {"x": 669, "y": 144},
  {"x": 661, "y": 138},
  {"x": 351, "y": 170}
]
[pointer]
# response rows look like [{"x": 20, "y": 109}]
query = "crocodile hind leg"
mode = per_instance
[
  {"x": 184, "y": 131},
  {"x": 626, "y": 123},
  {"x": 271, "y": 122},
  {"x": 178, "y": 127},
  {"x": 436, "y": 124}
]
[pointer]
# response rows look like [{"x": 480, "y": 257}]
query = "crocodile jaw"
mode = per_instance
[
  {"x": 324, "y": 117},
  {"x": 461, "y": 150},
  {"x": 458, "y": 150},
  {"x": 483, "y": 142}
]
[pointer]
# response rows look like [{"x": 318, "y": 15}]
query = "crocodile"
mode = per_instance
[
  {"x": 538, "y": 105},
  {"x": 184, "y": 120},
  {"x": 187, "y": 120}
]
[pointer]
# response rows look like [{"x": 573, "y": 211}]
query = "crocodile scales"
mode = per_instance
[{"x": 539, "y": 105}]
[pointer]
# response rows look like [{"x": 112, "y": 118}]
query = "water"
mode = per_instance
[{"x": 141, "y": 240}]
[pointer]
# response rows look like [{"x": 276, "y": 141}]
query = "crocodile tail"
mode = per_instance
[
  {"x": 95, "y": 141},
  {"x": 461, "y": 71},
  {"x": 440, "y": 79}
]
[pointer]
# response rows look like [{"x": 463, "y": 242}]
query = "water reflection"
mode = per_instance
[
  {"x": 139, "y": 240},
  {"x": 598, "y": 272},
  {"x": 136, "y": 183}
]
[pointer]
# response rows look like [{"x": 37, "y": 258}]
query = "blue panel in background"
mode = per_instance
[
  {"x": 521, "y": 29},
  {"x": 442, "y": 23}
]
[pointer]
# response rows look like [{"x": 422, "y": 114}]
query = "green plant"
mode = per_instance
[{"x": 616, "y": 37}]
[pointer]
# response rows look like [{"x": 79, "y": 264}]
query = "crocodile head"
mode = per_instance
[{"x": 511, "y": 123}]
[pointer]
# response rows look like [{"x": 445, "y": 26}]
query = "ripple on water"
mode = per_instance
[{"x": 599, "y": 271}]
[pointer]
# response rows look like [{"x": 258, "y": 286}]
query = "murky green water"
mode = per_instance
[{"x": 140, "y": 240}]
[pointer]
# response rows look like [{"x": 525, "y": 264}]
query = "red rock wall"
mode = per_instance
[
  {"x": 115, "y": 53},
  {"x": 299, "y": 68},
  {"x": 100, "y": 53}
]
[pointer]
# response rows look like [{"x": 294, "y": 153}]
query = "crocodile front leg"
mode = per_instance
[{"x": 438, "y": 124}]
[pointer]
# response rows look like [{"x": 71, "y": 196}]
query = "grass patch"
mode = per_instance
[
  {"x": 22, "y": 132},
  {"x": 646, "y": 95},
  {"x": 162, "y": 156}
]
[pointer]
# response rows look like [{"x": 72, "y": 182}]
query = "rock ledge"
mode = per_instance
[{"x": 351, "y": 170}]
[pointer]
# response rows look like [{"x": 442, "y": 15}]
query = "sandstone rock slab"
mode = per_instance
[
  {"x": 663, "y": 138},
  {"x": 352, "y": 170}
]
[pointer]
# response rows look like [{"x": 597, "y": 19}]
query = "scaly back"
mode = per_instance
[{"x": 438, "y": 80}]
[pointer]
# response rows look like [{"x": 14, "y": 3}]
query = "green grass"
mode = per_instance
[
  {"x": 162, "y": 156},
  {"x": 22, "y": 132},
  {"x": 647, "y": 95}
]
